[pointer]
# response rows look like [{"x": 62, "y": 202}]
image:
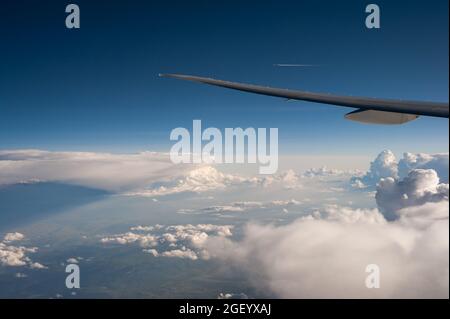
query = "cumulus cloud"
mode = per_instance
[
  {"x": 289, "y": 179},
  {"x": 9, "y": 237},
  {"x": 201, "y": 179},
  {"x": 15, "y": 256},
  {"x": 196, "y": 234},
  {"x": 407, "y": 237},
  {"x": 386, "y": 166},
  {"x": 72, "y": 260},
  {"x": 144, "y": 240},
  {"x": 357, "y": 183},
  {"x": 176, "y": 241},
  {"x": 35, "y": 265},
  {"x": 180, "y": 253},
  {"x": 437, "y": 162},
  {"x": 419, "y": 187},
  {"x": 151, "y": 251},
  {"x": 208, "y": 178}
]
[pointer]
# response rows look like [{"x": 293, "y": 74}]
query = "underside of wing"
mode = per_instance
[
  {"x": 362, "y": 103},
  {"x": 380, "y": 117}
]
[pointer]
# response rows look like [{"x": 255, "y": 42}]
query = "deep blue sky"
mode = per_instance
[{"x": 97, "y": 88}]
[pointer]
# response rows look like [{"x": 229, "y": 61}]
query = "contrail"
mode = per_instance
[{"x": 295, "y": 65}]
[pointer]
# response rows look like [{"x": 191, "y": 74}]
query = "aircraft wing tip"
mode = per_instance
[{"x": 172, "y": 75}]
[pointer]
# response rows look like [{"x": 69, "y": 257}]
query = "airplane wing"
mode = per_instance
[{"x": 370, "y": 110}]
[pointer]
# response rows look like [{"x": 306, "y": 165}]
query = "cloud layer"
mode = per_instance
[
  {"x": 112, "y": 172},
  {"x": 321, "y": 255},
  {"x": 325, "y": 256},
  {"x": 149, "y": 174},
  {"x": 324, "y": 253}
]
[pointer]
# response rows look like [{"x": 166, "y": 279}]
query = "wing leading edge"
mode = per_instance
[{"x": 362, "y": 103}]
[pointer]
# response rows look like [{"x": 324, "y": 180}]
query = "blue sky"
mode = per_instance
[{"x": 97, "y": 88}]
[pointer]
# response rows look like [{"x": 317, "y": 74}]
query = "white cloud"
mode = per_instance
[
  {"x": 289, "y": 202},
  {"x": 9, "y": 237},
  {"x": 419, "y": 187},
  {"x": 207, "y": 178},
  {"x": 198, "y": 234},
  {"x": 36, "y": 265},
  {"x": 198, "y": 180},
  {"x": 148, "y": 174},
  {"x": 144, "y": 240},
  {"x": 112, "y": 172},
  {"x": 224, "y": 295},
  {"x": 325, "y": 256},
  {"x": 348, "y": 215},
  {"x": 142, "y": 228},
  {"x": 357, "y": 183},
  {"x": 223, "y": 209},
  {"x": 321, "y": 172},
  {"x": 321, "y": 255},
  {"x": 385, "y": 165},
  {"x": 16, "y": 256},
  {"x": 240, "y": 207},
  {"x": 180, "y": 253},
  {"x": 290, "y": 179},
  {"x": 247, "y": 204},
  {"x": 325, "y": 253},
  {"x": 72, "y": 260},
  {"x": 13, "y": 256},
  {"x": 437, "y": 162},
  {"x": 152, "y": 251},
  {"x": 191, "y": 238},
  {"x": 424, "y": 216}
]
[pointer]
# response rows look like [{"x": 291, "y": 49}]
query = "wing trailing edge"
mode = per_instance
[{"x": 434, "y": 109}]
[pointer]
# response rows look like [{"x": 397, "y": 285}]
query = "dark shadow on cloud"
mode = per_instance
[{"x": 23, "y": 203}]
